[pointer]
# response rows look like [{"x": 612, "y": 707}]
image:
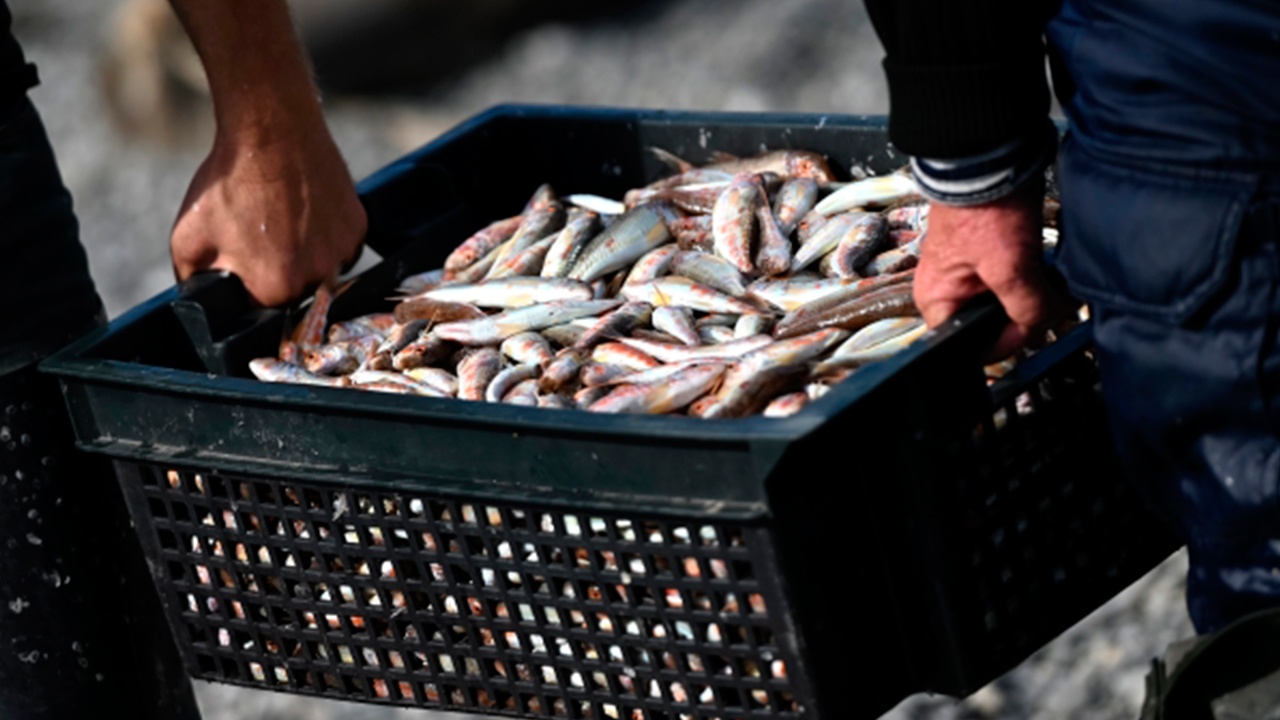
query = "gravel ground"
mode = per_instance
[{"x": 809, "y": 55}]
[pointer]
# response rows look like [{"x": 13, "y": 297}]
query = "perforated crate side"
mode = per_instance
[
  {"x": 973, "y": 524},
  {"x": 1052, "y": 528},
  {"x": 412, "y": 599}
]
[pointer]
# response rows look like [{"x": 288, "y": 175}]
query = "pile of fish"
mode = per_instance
[{"x": 740, "y": 287}]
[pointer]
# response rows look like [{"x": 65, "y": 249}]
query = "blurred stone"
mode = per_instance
[{"x": 152, "y": 79}]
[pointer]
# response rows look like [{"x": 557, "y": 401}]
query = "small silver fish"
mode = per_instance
[
  {"x": 273, "y": 370},
  {"x": 773, "y": 257},
  {"x": 402, "y": 335},
  {"x": 538, "y": 223},
  {"x": 911, "y": 217},
  {"x": 653, "y": 265},
  {"x": 542, "y": 197},
  {"x": 624, "y": 242},
  {"x": 795, "y": 199},
  {"x": 597, "y": 204},
  {"x": 863, "y": 241},
  {"x": 527, "y": 347},
  {"x": 507, "y": 379},
  {"x": 378, "y": 324},
  {"x": 567, "y": 334},
  {"x": 341, "y": 357},
  {"x": 438, "y": 378},
  {"x": 496, "y": 328},
  {"x": 659, "y": 373},
  {"x": 512, "y": 292},
  {"x": 775, "y": 368},
  {"x": 871, "y": 192},
  {"x": 666, "y": 396},
  {"x": 476, "y": 372},
  {"x": 470, "y": 251},
  {"x": 476, "y": 271},
  {"x": 733, "y": 221},
  {"x": 715, "y": 334},
  {"x": 683, "y": 292},
  {"x": 525, "y": 262},
  {"x": 425, "y": 350},
  {"x": 525, "y": 393},
  {"x": 597, "y": 374},
  {"x": 556, "y": 402},
  {"x": 615, "y": 324},
  {"x": 749, "y": 325},
  {"x": 682, "y": 353},
  {"x": 711, "y": 270},
  {"x": 623, "y": 355},
  {"x": 828, "y": 237},
  {"x": 677, "y": 322},
  {"x": 864, "y": 352},
  {"x": 792, "y": 293},
  {"x": 568, "y": 244},
  {"x": 560, "y": 372},
  {"x": 415, "y": 284},
  {"x": 786, "y": 405},
  {"x": 895, "y": 260},
  {"x": 379, "y": 379},
  {"x": 588, "y": 395}
]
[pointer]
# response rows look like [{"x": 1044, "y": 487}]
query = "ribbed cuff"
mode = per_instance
[
  {"x": 988, "y": 176},
  {"x": 945, "y": 111}
]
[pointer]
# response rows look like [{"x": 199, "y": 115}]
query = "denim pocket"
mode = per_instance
[{"x": 1153, "y": 241}]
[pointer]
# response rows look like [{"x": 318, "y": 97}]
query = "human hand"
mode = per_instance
[
  {"x": 277, "y": 209},
  {"x": 996, "y": 246}
]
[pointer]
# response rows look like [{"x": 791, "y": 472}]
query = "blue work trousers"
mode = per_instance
[
  {"x": 1170, "y": 181},
  {"x": 1182, "y": 271}
]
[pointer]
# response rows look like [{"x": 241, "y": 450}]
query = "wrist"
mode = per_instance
[
  {"x": 264, "y": 124},
  {"x": 276, "y": 151},
  {"x": 275, "y": 105}
]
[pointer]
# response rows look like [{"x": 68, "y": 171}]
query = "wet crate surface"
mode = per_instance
[
  {"x": 467, "y": 606},
  {"x": 565, "y": 564}
]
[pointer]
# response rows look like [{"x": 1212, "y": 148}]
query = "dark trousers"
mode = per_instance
[
  {"x": 81, "y": 630},
  {"x": 1182, "y": 270}
]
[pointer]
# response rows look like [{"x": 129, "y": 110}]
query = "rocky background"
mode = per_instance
[{"x": 123, "y": 102}]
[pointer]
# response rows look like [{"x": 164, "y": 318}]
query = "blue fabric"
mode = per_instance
[
  {"x": 1174, "y": 81},
  {"x": 1171, "y": 231}
]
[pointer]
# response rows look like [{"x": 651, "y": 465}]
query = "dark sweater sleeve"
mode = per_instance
[
  {"x": 965, "y": 76},
  {"x": 16, "y": 75}
]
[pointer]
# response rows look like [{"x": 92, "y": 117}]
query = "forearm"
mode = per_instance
[
  {"x": 274, "y": 202},
  {"x": 258, "y": 74},
  {"x": 964, "y": 78}
]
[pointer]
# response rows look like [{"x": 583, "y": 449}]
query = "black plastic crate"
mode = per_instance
[{"x": 913, "y": 530}]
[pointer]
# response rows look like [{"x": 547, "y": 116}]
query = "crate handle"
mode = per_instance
[{"x": 214, "y": 334}]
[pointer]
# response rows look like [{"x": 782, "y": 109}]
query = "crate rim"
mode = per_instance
[
  {"x": 615, "y": 113},
  {"x": 72, "y": 363},
  {"x": 764, "y": 438}
]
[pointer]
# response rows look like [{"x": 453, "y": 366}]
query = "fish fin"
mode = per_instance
[
  {"x": 310, "y": 328},
  {"x": 721, "y": 156},
  {"x": 672, "y": 160}
]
